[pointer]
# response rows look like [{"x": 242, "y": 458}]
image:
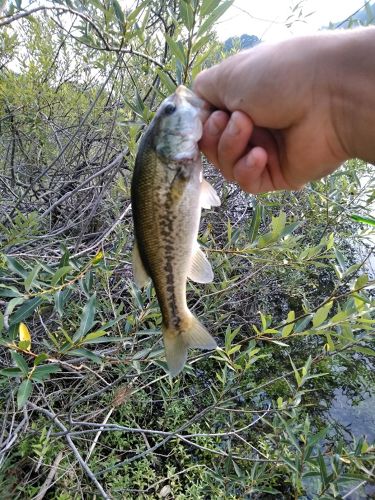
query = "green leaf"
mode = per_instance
[
  {"x": 166, "y": 81},
  {"x": 94, "y": 335},
  {"x": 340, "y": 259},
  {"x": 200, "y": 43},
  {"x": 321, "y": 314},
  {"x": 43, "y": 372},
  {"x": 119, "y": 13},
  {"x": 26, "y": 310},
  {"x": 214, "y": 16},
  {"x": 62, "y": 271},
  {"x": 364, "y": 350},
  {"x": 255, "y": 223},
  {"x": 20, "y": 362},
  {"x": 302, "y": 324},
  {"x": 208, "y": 6},
  {"x": 40, "y": 358},
  {"x": 9, "y": 291},
  {"x": 361, "y": 281},
  {"x": 87, "y": 319},
  {"x": 24, "y": 393},
  {"x": 60, "y": 299},
  {"x": 187, "y": 13},
  {"x": 11, "y": 372},
  {"x": 287, "y": 330},
  {"x": 363, "y": 219},
  {"x": 176, "y": 50},
  {"x": 31, "y": 277},
  {"x": 278, "y": 224},
  {"x": 85, "y": 353},
  {"x": 16, "y": 267},
  {"x": 296, "y": 373}
]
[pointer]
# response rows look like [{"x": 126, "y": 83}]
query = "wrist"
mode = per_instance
[{"x": 352, "y": 92}]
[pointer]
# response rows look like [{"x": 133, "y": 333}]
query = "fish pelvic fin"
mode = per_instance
[
  {"x": 177, "y": 343},
  {"x": 141, "y": 277},
  {"x": 200, "y": 268}
]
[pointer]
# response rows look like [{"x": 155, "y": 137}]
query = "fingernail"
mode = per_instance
[
  {"x": 213, "y": 127},
  {"x": 233, "y": 128}
]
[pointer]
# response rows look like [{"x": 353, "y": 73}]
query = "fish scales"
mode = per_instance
[{"x": 166, "y": 202}]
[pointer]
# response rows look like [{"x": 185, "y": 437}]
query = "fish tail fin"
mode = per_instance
[{"x": 177, "y": 342}]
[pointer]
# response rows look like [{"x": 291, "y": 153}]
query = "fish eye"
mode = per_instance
[{"x": 169, "y": 109}]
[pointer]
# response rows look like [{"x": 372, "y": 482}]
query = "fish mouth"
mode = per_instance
[{"x": 185, "y": 94}]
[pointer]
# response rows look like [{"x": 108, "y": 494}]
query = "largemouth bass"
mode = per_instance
[{"x": 168, "y": 192}]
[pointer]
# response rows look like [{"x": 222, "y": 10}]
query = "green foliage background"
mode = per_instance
[{"x": 87, "y": 405}]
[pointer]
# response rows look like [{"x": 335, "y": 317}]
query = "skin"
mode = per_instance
[{"x": 291, "y": 112}]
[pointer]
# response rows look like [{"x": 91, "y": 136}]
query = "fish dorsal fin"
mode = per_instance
[
  {"x": 209, "y": 197},
  {"x": 200, "y": 269},
  {"x": 141, "y": 277}
]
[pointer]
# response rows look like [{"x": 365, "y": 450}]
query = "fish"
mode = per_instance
[{"x": 168, "y": 193}]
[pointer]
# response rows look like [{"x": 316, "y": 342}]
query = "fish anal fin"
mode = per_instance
[
  {"x": 176, "y": 343},
  {"x": 208, "y": 196},
  {"x": 200, "y": 268},
  {"x": 141, "y": 277}
]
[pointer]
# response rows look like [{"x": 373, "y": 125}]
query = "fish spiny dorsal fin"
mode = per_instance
[
  {"x": 200, "y": 268},
  {"x": 176, "y": 343},
  {"x": 141, "y": 277},
  {"x": 209, "y": 197}
]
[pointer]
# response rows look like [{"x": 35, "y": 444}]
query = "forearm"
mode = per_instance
[{"x": 353, "y": 92}]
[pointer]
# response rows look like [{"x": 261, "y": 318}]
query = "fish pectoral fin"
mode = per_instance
[
  {"x": 208, "y": 196},
  {"x": 200, "y": 268},
  {"x": 177, "y": 343},
  {"x": 141, "y": 277}
]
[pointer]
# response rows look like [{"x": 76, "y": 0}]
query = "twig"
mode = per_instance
[
  {"x": 96, "y": 439},
  {"x": 47, "y": 483},
  {"x": 73, "y": 447}
]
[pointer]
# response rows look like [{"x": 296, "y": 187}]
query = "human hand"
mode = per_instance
[{"x": 278, "y": 120}]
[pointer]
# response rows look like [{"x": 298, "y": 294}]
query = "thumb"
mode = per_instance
[{"x": 206, "y": 85}]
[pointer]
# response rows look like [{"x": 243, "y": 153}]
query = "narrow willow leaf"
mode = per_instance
[
  {"x": 287, "y": 330},
  {"x": 24, "y": 335},
  {"x": 15, "y": 266},
  {"x": 187, "y": 13},
  {"x": 24, "y": 393},
  {"x": 9, "y": 291},
  {"x": 119, "y": 13},
  {"x": 208, "y": 6},
  {"x": 87, "y": 318},
  {"x": 278, "y": 224},
  {"x": 340, "y": 259},
  {"x": 11, "y": 372},
  {"x": 361, "y": 281},
  {"x": 166, "y": 81},
  {"x": 201, "y": 42},
  {"x": 176, "y": 50},
  {"x": 365, "y": 220},
  {"x": 12, "y": 304},
  {"x": 20, "y": 362},
  {"x": 40, "y": 358},
  {"x": 364, "y": 350},
  {"x": 60, "y": 273},
  {"x": 61, "y": 298},
  {"x": 26, "y": 310},
  {"x": 255, "y": 223},
  {"x": 85, "y": 353},
  {"x": 43, "y": 372},
  {"x": 321, "y": 314},
  {"x": 31, "y": 277},
  {"x": 214, "y": 16}
]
